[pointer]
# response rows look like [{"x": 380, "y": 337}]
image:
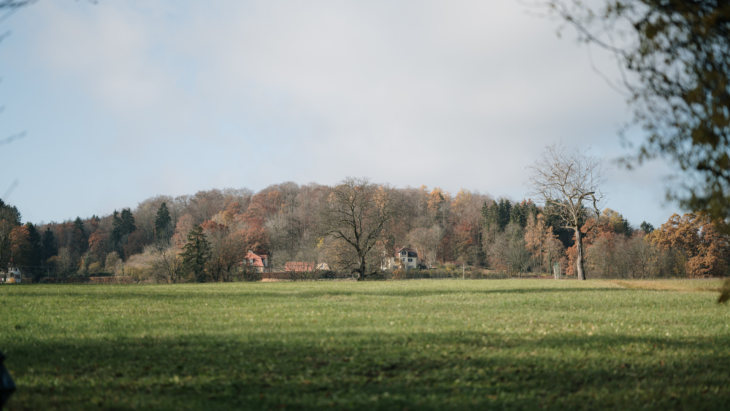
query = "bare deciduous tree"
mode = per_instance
[
  {"x": 565, "y": 182},
  {"x": 356, "y": 214},
  {"x": 167, "y": 265},
  {"x": 426, "y": 241}
]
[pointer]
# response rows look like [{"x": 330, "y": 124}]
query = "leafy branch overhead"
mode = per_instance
[{"x": 674, "y": 59}]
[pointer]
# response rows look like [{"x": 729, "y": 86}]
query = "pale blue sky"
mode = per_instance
[{"x": 125, "y": 100}]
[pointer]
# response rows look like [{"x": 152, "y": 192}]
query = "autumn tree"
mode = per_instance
[
  {"x": 426, "y": 242},
  {"x": 112, "y": 262},
  {"x": 97, "y": 244},
  {"x": 19, "y": 243},
  {"x": 167, "y": 264},
  {"x": 700, "y": 241},
  {"x": 9, "y": 219},
  {"x": 509, "y": 246},
  {"x": 355, "y": 215},
  {"x": 566, "y": 183},
  {"x": 541, "y": 242},
  {"x": 227, "y": 251},
  {"x": 618, "y": 224}
]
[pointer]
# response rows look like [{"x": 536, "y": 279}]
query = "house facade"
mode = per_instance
[
  {"x": 13, "y": 275},
  {"x": 260, "y": 263},
  {"x": 404, "y": 258}
]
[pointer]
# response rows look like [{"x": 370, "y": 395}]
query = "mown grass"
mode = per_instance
[{"x": 417, "y": 345}]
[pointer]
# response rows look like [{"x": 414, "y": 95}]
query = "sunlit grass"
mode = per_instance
[
  {"x": 710, "y": 284},
  {"x": 430, "y": 344}
]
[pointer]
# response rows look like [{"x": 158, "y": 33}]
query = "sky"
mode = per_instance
[{"x": 124, "y": 100}]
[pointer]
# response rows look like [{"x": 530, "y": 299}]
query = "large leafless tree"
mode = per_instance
[
  {"x": 356, "y": 214},
  {"x": 567, "y": 182}
]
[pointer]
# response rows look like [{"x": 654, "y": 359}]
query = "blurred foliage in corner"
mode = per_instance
[
  {"x": 675, "y": 58},
  {"x": 724, "y": 292}
]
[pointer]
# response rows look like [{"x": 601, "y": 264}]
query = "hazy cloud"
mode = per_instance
[{"x": 174, "y": 97}]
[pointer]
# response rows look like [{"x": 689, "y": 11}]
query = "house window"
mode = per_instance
[{"x": 410, "y": 260}]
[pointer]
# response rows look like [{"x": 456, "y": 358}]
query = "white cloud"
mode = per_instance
[{"x": 455, "y": 94}]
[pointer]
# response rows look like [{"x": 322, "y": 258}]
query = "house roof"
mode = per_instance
[
  {"x": 257, "y": 259},
  {"x": 299, "y": 266},
  {"x": 406, "y": 249}
]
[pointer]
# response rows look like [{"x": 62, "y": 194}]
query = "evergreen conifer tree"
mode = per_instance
[
  {"x": 128, "y": 226},
  {"x": 196, "y": 253},
  {"x": 48, "y": 245},
  {"x": 33, "y": 257},
  {"x": 80, "y": 240},
  {"x": 117, "y": 230},
  {"x": 79, "y": 224},
  {"x": 646, "y": 227},
  {"x": 518, "y": 215},
  {"x": 162, "y": 223},
  {"x": 490, "y": 215},
  {"x": 505, "y": 209}
]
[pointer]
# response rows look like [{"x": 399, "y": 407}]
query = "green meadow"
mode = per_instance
[{"x": 395, "y": 345}]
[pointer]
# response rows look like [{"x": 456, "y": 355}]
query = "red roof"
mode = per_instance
[
  {"x": 256, "y": 260},
  {"x": 298, "y": 266}
]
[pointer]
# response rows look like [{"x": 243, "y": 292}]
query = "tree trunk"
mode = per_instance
[
  {"x": 361, "y": 270},
  {"x": 579, "y": 256}
]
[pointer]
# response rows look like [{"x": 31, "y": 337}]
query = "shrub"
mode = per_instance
[
  {"x": 399, "y": 274},
  {"x": 95, "y": 268}
]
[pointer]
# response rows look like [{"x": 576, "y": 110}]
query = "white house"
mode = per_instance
[
  {"x": 405, "y": 258},
  {"x": 13, "y": 274}
]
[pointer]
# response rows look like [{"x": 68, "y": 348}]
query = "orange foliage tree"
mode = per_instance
[
  {"x": 697, "y": 240},
  {"x": 19, "y": 241},
  {"x": 97, "y": 243},
  {"x": 541, "y": 242}
]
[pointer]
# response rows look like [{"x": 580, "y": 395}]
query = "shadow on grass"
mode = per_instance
[
  {"x": 133, "y": 292},
  {"x": 430, "y": 371}
]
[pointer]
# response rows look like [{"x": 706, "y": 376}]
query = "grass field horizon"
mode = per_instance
[{"x": 424, "y": 344}]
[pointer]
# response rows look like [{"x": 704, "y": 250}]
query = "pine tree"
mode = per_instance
[
  {"x": 162, "y": 223},
  {"x": 48, "y": 245},
  {"x": 505, "y": 209},
  {"x": 34, "y": 250},
  {"x": 196, "y": 253},
  {"x": 646, "y": 227},
  {"x": 128, "y": 226},
  {"x": 9, "y": 213},
  {"x": 490, "y": 215},
  {"x": 80, "y": 226},
  {"x": 517, "y": 215},
  {"x": 117, "y": 230},
  {"x": 80, "y": 239}
]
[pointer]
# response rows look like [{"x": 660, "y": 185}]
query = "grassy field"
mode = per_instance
[{"x": 416, "y": 345}]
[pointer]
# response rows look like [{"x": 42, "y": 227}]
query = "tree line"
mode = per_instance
[{"x": 353, "y": 227}]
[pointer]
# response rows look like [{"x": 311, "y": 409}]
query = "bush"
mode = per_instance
[
  {"x": 249, "y": 275},
  {"x": 95, "y": 268}
]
